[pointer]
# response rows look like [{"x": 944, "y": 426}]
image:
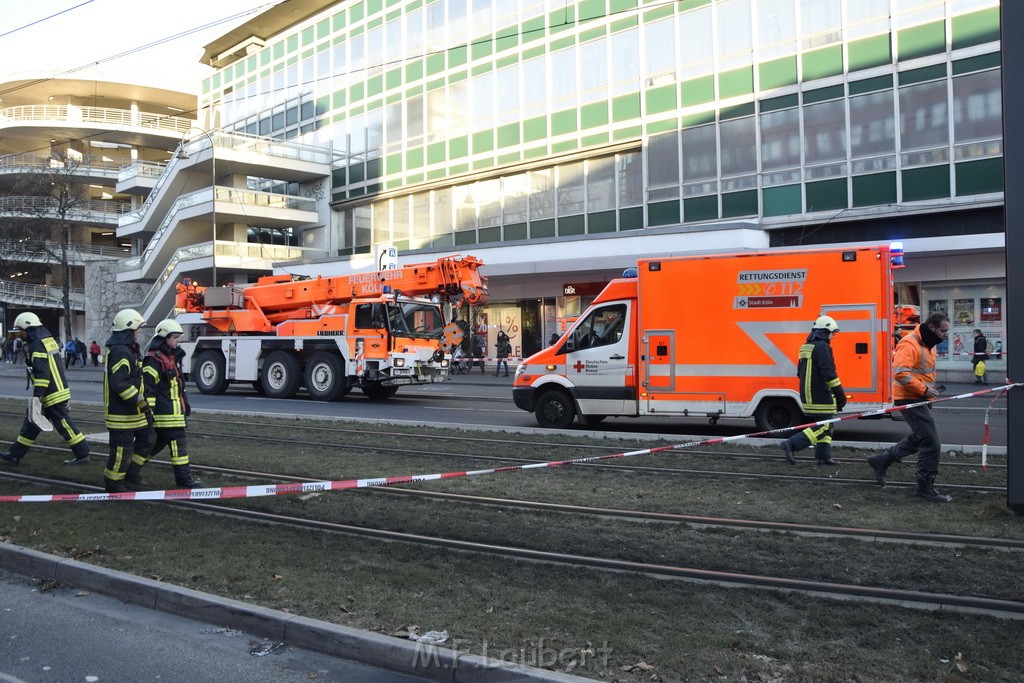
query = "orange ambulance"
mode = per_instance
[{"x": 716, "y": 336}]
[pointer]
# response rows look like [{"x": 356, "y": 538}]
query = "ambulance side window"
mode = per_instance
[{"x": 602, "y": 327}]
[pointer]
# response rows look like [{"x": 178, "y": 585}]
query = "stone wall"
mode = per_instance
[{"x": 105, "y": 296}]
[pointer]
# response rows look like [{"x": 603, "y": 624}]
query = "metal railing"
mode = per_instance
[
  {"x": 140, "y": 169},
  {"x": 225, "y": 195},
  {"x": 237, "y": 254},
  {"x": 233, "y": 141},
  {"x": 89, "y": 165},
  {"x": 83, "y": 209},
  {"x": 40, "y": 251},
  {"x": 40, "y": 295},
  {"x": 101, "y": 116}
]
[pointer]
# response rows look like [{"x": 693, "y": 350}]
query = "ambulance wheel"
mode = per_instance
[
  {"x": 281, "y": 375},
  {"x": 555, "y": 410},
  {"x": 376, "y": 392},
  {"x": 325, "y": 376},
  {"x": 776, "y": 413},
  {"x": 208, "y": 373}
]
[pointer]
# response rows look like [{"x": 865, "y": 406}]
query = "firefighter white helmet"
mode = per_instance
[
  {"x": 128, "y": 319},
  {"x": 26, "y": 320},
  {"x": 169, "y": 326},
  {"x": 826, "y": 323}
]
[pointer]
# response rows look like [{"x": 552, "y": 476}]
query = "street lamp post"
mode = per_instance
[{"x": 182, "y": 154}]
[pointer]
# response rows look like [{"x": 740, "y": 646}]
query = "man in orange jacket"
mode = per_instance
[{"x": 913, "y": 382}]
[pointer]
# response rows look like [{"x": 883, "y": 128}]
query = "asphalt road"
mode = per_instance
[
  {"x": 66, "y": 634},
  {"x": 483, "y": 400}
]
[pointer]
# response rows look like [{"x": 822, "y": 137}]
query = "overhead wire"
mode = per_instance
[{"x": 39, "y": 21}]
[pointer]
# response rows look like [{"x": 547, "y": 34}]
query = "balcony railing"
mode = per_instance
[
  {"x": 89, "y": 165},
  {"x": 228, "y": 253},
  {"x": 140, "y": 169},
  {"x": 100, "y": 116},
  {"x": 40, "y": 295},
  {"x": 225, "y": 195},
  {"x": 233, "y": 141},
  {"x": 39, "y": 251},
  {"x": 82, "y": 210}
]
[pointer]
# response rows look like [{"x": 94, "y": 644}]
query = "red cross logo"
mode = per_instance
[{"x": 578, "y": 366}]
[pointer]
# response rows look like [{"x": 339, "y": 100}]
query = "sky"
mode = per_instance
[{"x": 88, "y": 31}]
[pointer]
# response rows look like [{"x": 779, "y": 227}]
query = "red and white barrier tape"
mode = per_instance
[
  {"x": 984, "y": 440},
  {"x": 322, "y": 486}
]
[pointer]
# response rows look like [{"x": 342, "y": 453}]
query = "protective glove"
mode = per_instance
[
  {"x": 188, "y": 410},
  {"x": 840, "y": 395},
  {"x": 143, "y": 406}
]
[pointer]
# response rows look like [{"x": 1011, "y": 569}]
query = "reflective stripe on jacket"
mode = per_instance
[
  {"x": 165, "y": 390},
  {"x": 913, "y": 367},
  {"x": 48, "y": 377},
  {"x": 816, "y": 369},
  {"x": 122, "y": 382}
]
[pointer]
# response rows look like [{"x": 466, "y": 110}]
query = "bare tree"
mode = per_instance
[{"x": 41, "y": 209}]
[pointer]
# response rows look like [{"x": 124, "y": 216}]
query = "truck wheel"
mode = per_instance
[
  {"x": 776, "y": 413},
  {"x": 281, "y": 375},
  {"x": 555, "y": 410},
  {"x": 376, "y": 392},
  {"x": 208, "y": 373},
  {"x": 325, "y": 376}
]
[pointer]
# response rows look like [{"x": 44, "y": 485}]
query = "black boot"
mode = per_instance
[
  {"x": 880, "y": 465},
  {"x": 787, "y": 449},
  {"x": 113, "y": 486},
  {"x": 926, "y": 489},
  {"x": 8, "y": 458},
  {"x": 133, "y": 478},
  {"x": 81, "y": 455},
  {"x": 823, "y": 454},
  {"x": 183, "y": 477}
]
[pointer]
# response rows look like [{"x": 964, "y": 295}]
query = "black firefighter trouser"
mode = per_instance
[
  {"x": 172, "y": 437},
  {"x": 819, "y": 436},
  {"x": 58, "y": 415},
  {"x": 126, "y": 445}
]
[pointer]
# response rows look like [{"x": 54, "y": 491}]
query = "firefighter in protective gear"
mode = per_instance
[
  {"x": 128, "y": 415},
  {"x": 50, "y": 386},
  {"x": 913, "y": 382},
  {"x": 821, "y": 392},
  {"x": 165, "y": 392}
]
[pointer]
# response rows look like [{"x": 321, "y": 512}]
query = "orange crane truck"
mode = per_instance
[
  {"x": 376, "y": 330},
  {"x": 716, "y": 336}
]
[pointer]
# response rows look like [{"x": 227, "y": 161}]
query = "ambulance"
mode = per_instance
[{"x": 716, "y": 336}]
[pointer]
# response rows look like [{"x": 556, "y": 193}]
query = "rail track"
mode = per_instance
[{"x": 908, "y": 598}]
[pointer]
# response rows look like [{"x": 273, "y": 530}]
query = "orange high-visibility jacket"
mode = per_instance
[{"x": 913, "y": 367}]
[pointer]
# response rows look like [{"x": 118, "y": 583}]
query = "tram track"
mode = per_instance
[
  {"x": 832, "y": 479},
  {"x": 998, "y": 607}
]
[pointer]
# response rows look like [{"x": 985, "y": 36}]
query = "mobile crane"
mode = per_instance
[{"x": 375, "y": 330}]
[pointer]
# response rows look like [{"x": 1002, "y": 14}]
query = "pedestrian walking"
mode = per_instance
[
  {"x": 821, "y": 392},
  {"x": 914, "y": 382},
  {"x": 979, "y": 357},
  {"x": 94, "y": 351},
  {"x": 128, "y": 415},
  {"x": 70, "y": 353},
  {"x": 503, "y": 351},
  {"x": 50, "y": 386},
  {"x": 165, "y": 393}
]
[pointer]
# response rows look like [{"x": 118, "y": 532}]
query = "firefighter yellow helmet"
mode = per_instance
[
  {"x": 128, "y": 319},
  {"x": 169, "y": 326},
  {"x": 826, "y": 323},
  {"x": 27, "y": 320}
]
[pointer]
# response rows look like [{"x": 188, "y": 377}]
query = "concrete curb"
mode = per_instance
[{"x": 373, "y": 649}]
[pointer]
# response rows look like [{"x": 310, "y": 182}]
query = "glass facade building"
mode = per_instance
[{"x": 475, "y": 125}]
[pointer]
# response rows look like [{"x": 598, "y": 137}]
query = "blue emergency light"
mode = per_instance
[{"x": 896, "y": 254}]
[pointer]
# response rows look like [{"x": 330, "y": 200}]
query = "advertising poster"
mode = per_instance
[
  {"x": 937, "y": 306},
  {"x": 991, "y": 309},
  {"x": 963, "y": 312},
  {"x": 962, "y": 345}
]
